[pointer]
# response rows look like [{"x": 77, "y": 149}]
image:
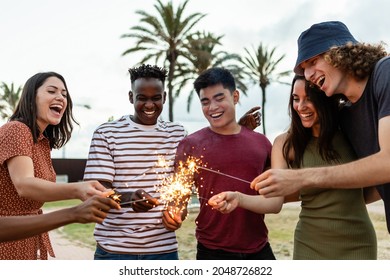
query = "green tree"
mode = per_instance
[
  {"x": 201, "y": 54},
  {"x": 262, "y": 64},
  {"x": 162, "y": 37},
  {"x": 9, "y": 98}
]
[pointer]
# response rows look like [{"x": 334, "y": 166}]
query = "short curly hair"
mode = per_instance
[
  {"x": 148, "y": 71},
  {"x": 356, "y": 59}
]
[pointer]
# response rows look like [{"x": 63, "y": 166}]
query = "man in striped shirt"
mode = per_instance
[{"x": 123, "y": 155}]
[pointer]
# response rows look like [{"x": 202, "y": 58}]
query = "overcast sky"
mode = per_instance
[{"x": 81, "y": 41}]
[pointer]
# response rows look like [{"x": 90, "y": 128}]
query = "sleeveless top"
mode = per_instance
[{"x": 333, "y": 223}]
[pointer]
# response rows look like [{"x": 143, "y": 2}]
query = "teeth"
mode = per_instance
[
  {"x": 149, "y": 113},
  {"x": 320, "y": 81},
  {"x": 56, "y": 108},
  {"x": 306, "y": 115},
  {"x": 216, "y": 115}
]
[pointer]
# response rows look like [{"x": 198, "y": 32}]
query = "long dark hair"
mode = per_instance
[
  {"x": 26, "y": 112},
  {"x": 298, "y": 136}
]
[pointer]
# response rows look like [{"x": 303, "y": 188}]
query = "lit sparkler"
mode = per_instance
[
  {"x": 133, "y": 201},
  {"x": 223, "y": 174},
  {"x": 115, "y": 196},
  {"x": 177, "y": 189},
  {"x": 161, "y": 163}
]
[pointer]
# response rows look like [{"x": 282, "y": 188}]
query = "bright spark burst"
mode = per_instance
[
  {"x": 161, "y": 162},
  {"x": 177, "y": 189}
]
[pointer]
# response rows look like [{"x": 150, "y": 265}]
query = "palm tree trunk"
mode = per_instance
[
  {"x": 263, "y": 108},
  {"x": 172, "y": 64},
  {"x": 170, "y": 97}
]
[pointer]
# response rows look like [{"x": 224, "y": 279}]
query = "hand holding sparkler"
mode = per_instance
[
  {"x": 173, "y": 217},
  {"x": 175, "y": 192},
  {"x": 142, "y": 201},
  {"x": 94, "y": 209},
  {"x": 139, "y": 200},
  {"x": 225, "y": 202}
]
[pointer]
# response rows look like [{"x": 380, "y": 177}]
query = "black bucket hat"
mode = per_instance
[{"x": 319, "y": 38}]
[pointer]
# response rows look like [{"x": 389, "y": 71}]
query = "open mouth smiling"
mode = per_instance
[
  {"x": 56, "y": 108},
  {"x": 320, "y": 81},
  {"x": 306, "y": 116},
  {"x": 149, "y": 113},
  {"x": 216, "y": 116}
]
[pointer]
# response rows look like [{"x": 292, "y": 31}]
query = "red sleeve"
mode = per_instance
[{"x": 15, "y": 140}]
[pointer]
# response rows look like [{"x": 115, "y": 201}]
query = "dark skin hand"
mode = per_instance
[
  {"x": 93, "y": 210},
  {"x": 173, "y": 218},
  {"x": 146, "y": 202},
  {"x": 251, "y": 119}
]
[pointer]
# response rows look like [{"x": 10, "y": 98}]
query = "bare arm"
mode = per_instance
[
  {"x": 226, "y": 202},
  {"x": 21, "y": 171},
  {"x": 369, "y": 171},
  {"x": 278, "y": 161},
  {"x": 19, "y": 227}
]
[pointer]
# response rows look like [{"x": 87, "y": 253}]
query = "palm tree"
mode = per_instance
[
  {"x": 201, "y": 54},
  {"x": 162, "y": 37},
  {"x": 9, "y": 98},
  {"x": 262, "y": 65}
]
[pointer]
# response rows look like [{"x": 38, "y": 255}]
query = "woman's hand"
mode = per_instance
[{"x": 225, "y": 202}]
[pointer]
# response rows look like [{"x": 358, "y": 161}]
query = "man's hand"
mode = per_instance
[
  {"x": 278, "y": 182},
  {"x": 142, "y": 201},
  {"x": 173, "y": 218},
  {"x": 251, "y": 119}
]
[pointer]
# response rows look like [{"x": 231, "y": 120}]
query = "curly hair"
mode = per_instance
[
  {"x": 356, "y": 59},
  {"x": 147, "y": 71}
]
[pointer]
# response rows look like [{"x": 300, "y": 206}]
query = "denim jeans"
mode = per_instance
[
  {"x": 101, "y": 254},
  {"x": 204, "y": 253}
]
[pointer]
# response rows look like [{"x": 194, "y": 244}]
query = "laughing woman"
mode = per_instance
[{"x": 42, "y": 121}]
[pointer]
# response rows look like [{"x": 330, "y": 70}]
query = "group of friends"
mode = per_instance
[{"x": 334, "y": 158}]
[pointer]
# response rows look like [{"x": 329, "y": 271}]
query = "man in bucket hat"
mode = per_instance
[{"x": 334, "y": 61}]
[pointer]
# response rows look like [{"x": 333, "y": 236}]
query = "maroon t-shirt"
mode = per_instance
[{"x": 244, "y": 155}]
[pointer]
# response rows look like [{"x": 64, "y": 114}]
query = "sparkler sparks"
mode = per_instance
[
  {"x": 115, "y": 196},
  {"x": 161, "y": 163},
  {"x": 177, "y": 189}
]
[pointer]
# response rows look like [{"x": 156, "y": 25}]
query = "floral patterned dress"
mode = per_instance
[{"x": 16, "y": 140}]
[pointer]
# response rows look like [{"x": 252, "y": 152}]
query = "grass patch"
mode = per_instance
[
  {"x": 62, "y": 203},
  {"x": 281, "y": 234},
  {"x": 80, "y": 233}
]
